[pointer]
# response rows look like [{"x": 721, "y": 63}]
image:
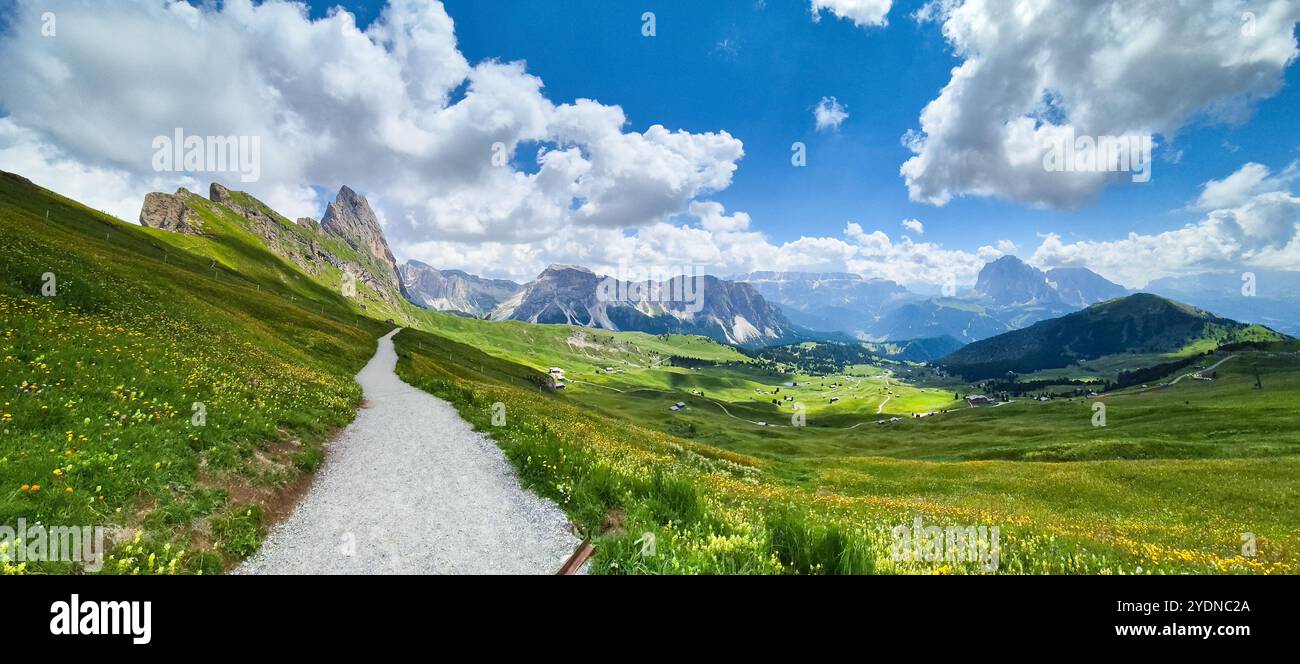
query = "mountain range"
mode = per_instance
[
  {"x": 1267, "y": 297},
  {"x": 755, "y": 309},
  {"x": 1008, "y": 294},
  {"x": 727, "y": 311},
  {"x": 828, "y": 301},
  {"x": 348, "y": 244},
  {"x": 455, "y": 291}
]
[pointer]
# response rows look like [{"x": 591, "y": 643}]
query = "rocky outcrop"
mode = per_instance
[
  {"x": 217, "y": 193},
  {"x": 349, "y": 217},
  {"x": 171, "y": 212},
  {"x": 261, "y": 217}
]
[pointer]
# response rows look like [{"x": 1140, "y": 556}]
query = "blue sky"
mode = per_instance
[
  {"x": 409, "y": 104},
  {"x": 757, "y": 69}
]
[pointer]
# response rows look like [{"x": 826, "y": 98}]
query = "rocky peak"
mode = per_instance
[
  {"x": 217, "y": 193},
  {"x": 350, "y": 218},
  {"x": 558, "y": 269},
  {"x": 1009, "y": 280},
  {"x": 170, "y": 212}
]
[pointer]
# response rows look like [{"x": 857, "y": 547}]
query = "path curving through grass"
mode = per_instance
[{"x": 410, "y": 488}]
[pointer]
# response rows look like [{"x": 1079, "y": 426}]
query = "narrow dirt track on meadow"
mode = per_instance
[{"x": 410, "y": 488}]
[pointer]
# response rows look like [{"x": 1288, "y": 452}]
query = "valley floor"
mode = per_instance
[{"x": 410, "y": 488}]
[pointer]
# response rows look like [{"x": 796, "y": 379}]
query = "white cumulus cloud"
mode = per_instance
[
  {"x": 1033, "y": 70},
  {"x": 395, "y": 111},
  {"x": 1256, "y": 225}
]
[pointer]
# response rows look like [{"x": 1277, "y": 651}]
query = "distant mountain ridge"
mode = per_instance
[
  {"x": 1008, "y": 294},
  {"x": 916, "y": 350},
  {"x": 1141, "y": 323},
  {"x": 1081, "y": 287},
  {"x": 455, "y": 290},
  {"x": 829, "y": 301},
  {"x": 726, "y": 311},
  {"x": 1267, "y": 297},
  {"x": 759, "y": 308}
]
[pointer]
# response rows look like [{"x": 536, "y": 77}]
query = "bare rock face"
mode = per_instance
[
  {"x": 170, "y": 212},
  {"x": 727, "y": 311},
  {"x": 218, "y": 193},
  {"x": 350, "y": 218},
  {"x": 454, "y": 290}
]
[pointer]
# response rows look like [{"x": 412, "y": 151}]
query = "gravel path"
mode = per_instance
[{"x": 410, "y": 488}]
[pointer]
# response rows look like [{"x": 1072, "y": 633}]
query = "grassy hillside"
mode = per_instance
[
  {"x": 265, "y": 257},
  {"x": 1139, "y": 323},
  {"x": 576, "y": 349},
  {"x": 101, "y": 379},
  {"x": 916, "y": 350},
  {"x": 793, "y": 500},
  {"x": 1169, "y": 485}
]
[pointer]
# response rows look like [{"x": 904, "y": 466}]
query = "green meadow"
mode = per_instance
[
  {"x": 103, "y": 378},
  {"x": 720, "y": 495},
  {"x": 151, "y": 390}
]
